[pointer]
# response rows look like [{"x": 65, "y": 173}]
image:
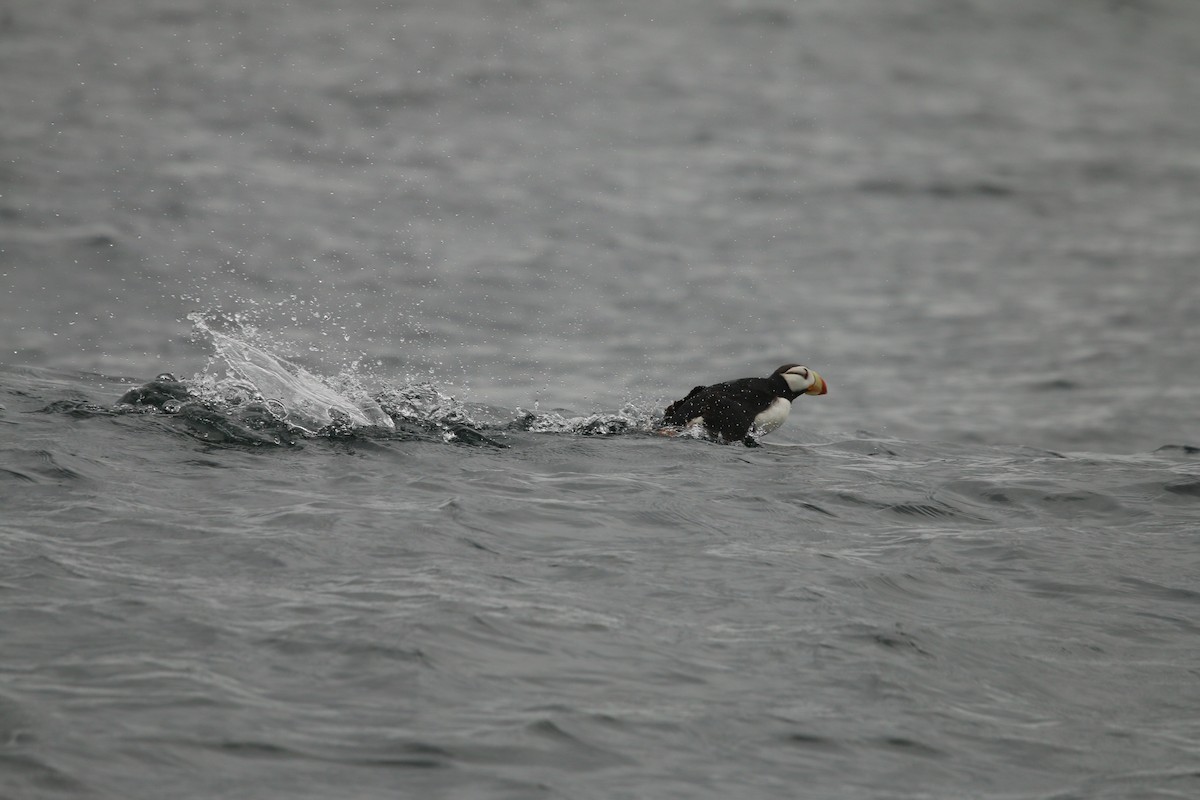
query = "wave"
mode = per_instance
[{"x": 251, "y": 395}]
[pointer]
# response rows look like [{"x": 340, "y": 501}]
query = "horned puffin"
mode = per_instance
[{"x": 733, "y": 410}]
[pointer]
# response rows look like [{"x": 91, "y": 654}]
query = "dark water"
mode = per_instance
[{"x": 499, "y": 237}]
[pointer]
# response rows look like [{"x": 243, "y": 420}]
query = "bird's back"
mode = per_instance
[{"x": 753, "y": 394}]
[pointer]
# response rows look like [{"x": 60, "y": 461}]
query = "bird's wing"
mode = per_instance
[
  {"x": 728, "y": 409},
  {"x": 726, "y": 415},
  {"x": 681, "y": 412}
]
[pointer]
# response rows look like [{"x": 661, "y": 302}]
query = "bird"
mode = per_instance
[{"x": 746, "y": 408}]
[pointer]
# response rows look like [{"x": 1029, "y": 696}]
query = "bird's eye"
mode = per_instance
[{"x": 802, "y": 372}]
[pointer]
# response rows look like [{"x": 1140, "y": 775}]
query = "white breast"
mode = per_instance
[{"x": 773, "y": 415}]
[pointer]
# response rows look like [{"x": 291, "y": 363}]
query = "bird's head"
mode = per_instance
[{"x": 802, "y": 380}]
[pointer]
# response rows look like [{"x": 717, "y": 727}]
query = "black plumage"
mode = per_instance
[{"x": 729, "y": 410}]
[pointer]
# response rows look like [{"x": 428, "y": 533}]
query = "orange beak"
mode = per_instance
[{"x": 818, "y": 386}]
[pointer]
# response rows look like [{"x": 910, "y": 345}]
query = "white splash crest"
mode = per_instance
[{"x": 310, "y": 402}]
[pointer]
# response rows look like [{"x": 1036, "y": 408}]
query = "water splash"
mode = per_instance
[
  {"x": 632, "y": 418},
  {"x": 424, "y": 403},
  {"x": 249, "y": 388},
  {"x": 308, "y": 402}
]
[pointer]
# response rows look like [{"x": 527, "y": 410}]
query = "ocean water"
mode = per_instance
[{"x": 399, "y": 521}]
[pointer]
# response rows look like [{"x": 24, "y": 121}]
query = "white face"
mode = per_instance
[{"x": 800, "y": 379}]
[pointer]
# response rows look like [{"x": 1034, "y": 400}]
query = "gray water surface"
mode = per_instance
[{"x": 967, "y": 571}]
